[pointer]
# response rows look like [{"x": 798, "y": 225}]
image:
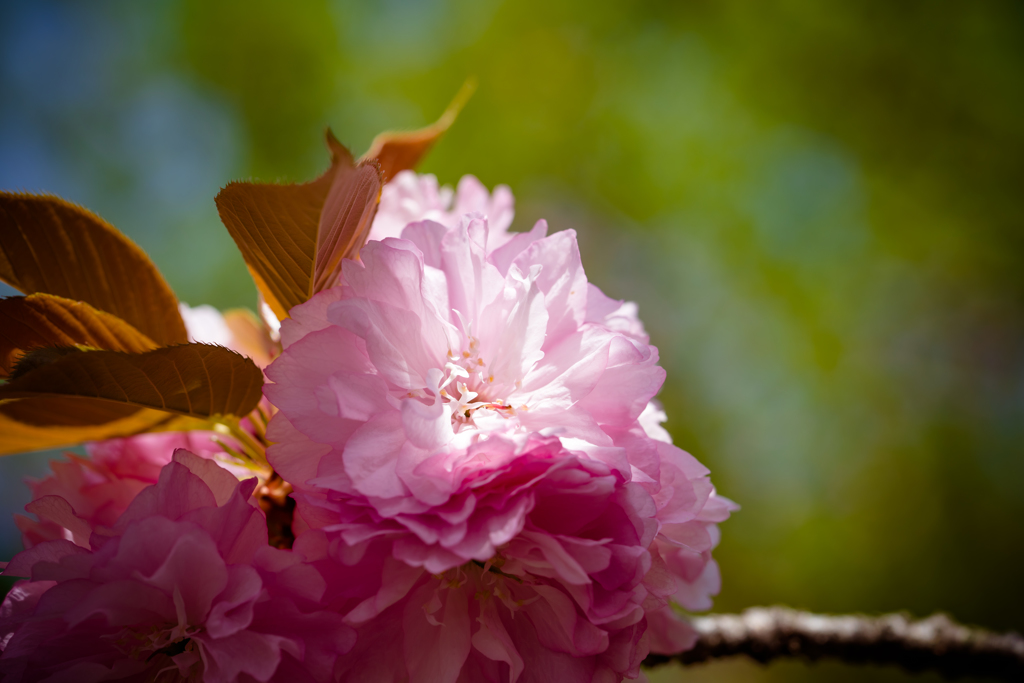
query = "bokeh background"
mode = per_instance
[{"x": 819, "y": 207}]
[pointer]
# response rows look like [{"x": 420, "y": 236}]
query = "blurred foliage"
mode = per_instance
[
  {"x": 277, "y": 63},
  {"x": 816, "y": 204}
]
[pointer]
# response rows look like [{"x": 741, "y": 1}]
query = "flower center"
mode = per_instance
[
  {"x": 171, "y": 640},
  {"x": 468, "y": 386},
  {"x": 146, "y": 645}
]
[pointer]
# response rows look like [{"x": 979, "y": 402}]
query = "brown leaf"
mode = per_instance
[
  {"x": 346, "y": 220},
  {"x": 17, "y": 437},
  {"x": 64, "y": 411},
  {"x": 275, "y": 228},
  {"x": 197, "y": 380},
  {"x": 402, "y": 150},
  {"x": 52, "y": 246},
  {"x": 28, "y": 322},
  {"x": 293, "y": 237}
]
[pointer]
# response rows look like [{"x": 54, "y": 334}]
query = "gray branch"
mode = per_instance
[{"x": 936, "y": 643}]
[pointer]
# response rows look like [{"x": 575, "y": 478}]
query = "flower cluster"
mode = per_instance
[
  {"x": 480, "y": 488},
  {"x": 182, "y": 587}
]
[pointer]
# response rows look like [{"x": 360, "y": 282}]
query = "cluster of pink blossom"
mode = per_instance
[
  {"x": 182, "y": 587},
  {"x": 101, "y": 487},
  {"x": 483, "y": 489}
]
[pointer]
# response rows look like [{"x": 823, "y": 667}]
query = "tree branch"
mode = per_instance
[{"x": 936, "y": 643}]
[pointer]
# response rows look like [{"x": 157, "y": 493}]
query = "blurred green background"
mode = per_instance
[{"x": 819, "y": 207}]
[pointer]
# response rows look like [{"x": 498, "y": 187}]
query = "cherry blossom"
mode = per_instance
[
  {"x": 182, "y": 587},
  {"x": 411, "y": 197},
  {"x": 470, "y": 433}
]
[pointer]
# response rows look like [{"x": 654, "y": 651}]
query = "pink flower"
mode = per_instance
[
  {"x": 435, "y": 342},
  {"x": 470, "y": 434},
  {"x": 569, "y": 574},
  {"x": 100, "y": 488},
  {"x": 411, "y": 197},
  {"x": 183, "y": 583}
]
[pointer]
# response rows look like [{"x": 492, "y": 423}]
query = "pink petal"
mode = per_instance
[
  {"x": 221, "y": 482},
  {"x": 562, "y": 280},
  {"x": 371, "y": 456},
  {"x": 244, "y": 652},
  {"x": 193, "y": 567},
  {"x": 292, "y": 454},
  {"x": 427, "y": 426},
  {"x": 232, "y": 610},
  {"x": 59, "y": 511},
  {"x": 669, "y": 633},
  {"x": 559, "y": 626},
  {"x": 494, "y": 642},
  {"x": 434, "y": 654},
  {"x": 50, "y": 552},
  {"x": 123, "y": 603}
]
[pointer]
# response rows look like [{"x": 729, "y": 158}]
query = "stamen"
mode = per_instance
[{"x": 462, "y": 383}]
